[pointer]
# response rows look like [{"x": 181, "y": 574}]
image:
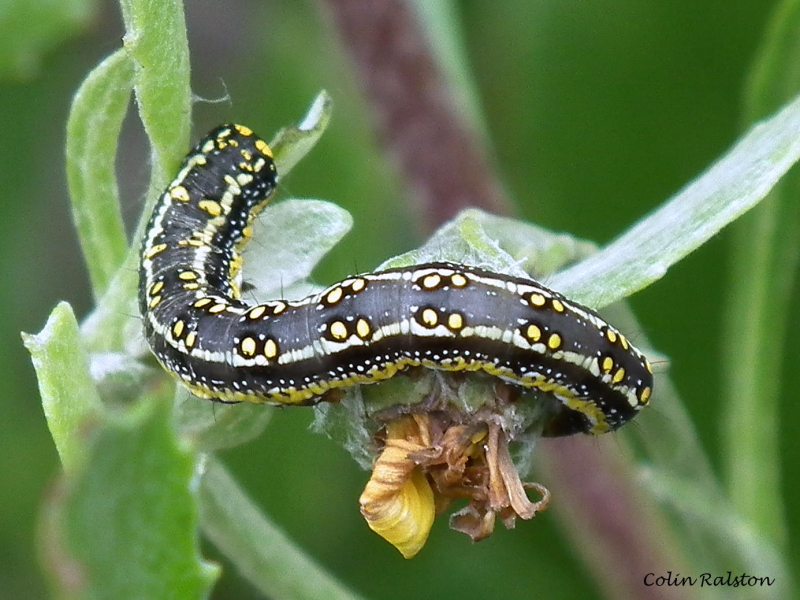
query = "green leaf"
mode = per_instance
[
  {"x": 31, "y": 28},
  {"x": 765, "y": 255},
  {"x": 736, "y": 183},
  {"x": 108, "y": 327},
  {"x": 214, "y": 426},
  {"x": 291, "y": 144},
  {"x": 263, "y": 553},
  {"x": 93, "y": 127},
  {"x": 497, "y": 243},
  {"x": 69, "y": 397},
  {"x": 119, "y": 376},
  {"x": 155, "y": 39},
  {"x": 289, "y": 239},
  {"x": 128, "y": 520}
]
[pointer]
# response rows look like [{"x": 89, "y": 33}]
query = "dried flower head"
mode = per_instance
[{"x": 431, "y": 458}]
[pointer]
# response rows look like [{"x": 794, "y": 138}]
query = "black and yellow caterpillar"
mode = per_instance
[{"x": 366, "y": 328}]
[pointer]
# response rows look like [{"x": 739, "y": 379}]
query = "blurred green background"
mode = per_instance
[{"x": 597, "y": 112}]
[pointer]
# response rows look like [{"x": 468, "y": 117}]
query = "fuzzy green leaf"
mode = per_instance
[
  {"x": 736, "y": 183},
  {"x": 214, "y": 426},
  {"x": 156, "y": 43},
  {"x": 291, "y": 144},
  {"x": 103, "y": 330},
  {"x": 93, "y": 127},
  {"x": 69, "y": 397},
  {"x": 500, "y": 244},
  {"x": 128, "y": 521},
  {"x": 155, "y": 39},
  {"x": 289, "y": 239}
]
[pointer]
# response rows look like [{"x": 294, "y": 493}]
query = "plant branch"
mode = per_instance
[
  {"x": 261, "y": 551},
  {"x": 439, "y": 156}
]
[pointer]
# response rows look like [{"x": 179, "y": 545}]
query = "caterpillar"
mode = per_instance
[{"x": 366, "y": 328}]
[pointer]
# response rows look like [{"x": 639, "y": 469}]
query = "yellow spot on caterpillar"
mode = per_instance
[
  {"x": 223, "y": 133},
  {"x": 156, "y": 287},
  {"x": 262, "y": 147},
  {"x": 624, "y": 341},
  {"x": 432, "y": 281},
  {"x": 190, "y": 340},
  {"x": 257, "y": 312},
  {"x": 608, "y": 364},
  {"x": 611, "y": 335},
  {"x": 334, "y": 296},
  {"x": 245, "y": 131},
  {"x": 278, "y": 308},
  {"x": 270, "y": 349},
  {"x": 177, "y": 328},
  {"x": 246, "y": 154},
  {"x": 187, "y": 275},
  {"x": 536, "y": 299},
  {"x": 244, "y": 178},
  {"x": 458, "y": 280},
  {"x": 191, "y": 286},
  {"x": 558, "y": 305},
  {"x": 619, "y": 375},
  {"x": 153, "y": 250},
  {"x": 644, "y": 395},
  {"x": 648, "y": 366},
  {"x": 430, "y": 317},
  {"x": 358, "y": 285},
  {"x": 554, "y": 341},
  {"x": 179, "y": 193},
  {"x": 248, "y": 347},
  {"x": 202, "y": 302},
  {"x": 154, "y": 301},
  {"x": 363, "y": 329},
  {"x": 338, "y": 330},
  {"x": 212, "y": 207},
  {"x": 455, "y": 321},
  {"x": 217, "y": 308},
  {"x": 233, "y": 187},
  {"x": 534, "y": 333}
]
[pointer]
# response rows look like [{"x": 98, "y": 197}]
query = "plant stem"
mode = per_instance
[
  {"x": 261, "y": 551},
  {"x": 764, "y": 258}
]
